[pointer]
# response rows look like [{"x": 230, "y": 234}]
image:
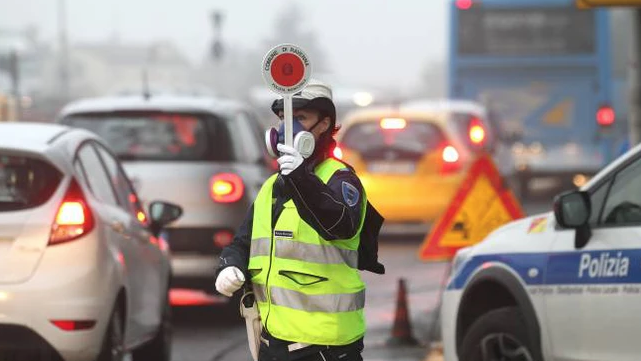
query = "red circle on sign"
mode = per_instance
[{"x": 287, "y": 69}]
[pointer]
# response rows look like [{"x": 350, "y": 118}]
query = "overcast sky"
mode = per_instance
[{"x": 381, "y": 41}]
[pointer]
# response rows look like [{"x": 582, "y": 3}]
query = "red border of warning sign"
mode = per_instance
[{"x": 430, "y": 249}]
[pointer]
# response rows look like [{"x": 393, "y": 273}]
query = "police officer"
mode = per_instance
[{"x": 298, "y": 246}]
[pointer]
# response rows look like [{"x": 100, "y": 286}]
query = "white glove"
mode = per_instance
[
  {"x": 289, "y": 160},
  {"x": 229, "y": 280}
]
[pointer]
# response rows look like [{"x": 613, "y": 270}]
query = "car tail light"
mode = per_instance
[
  {"x": 73, "y": 219},
  {"x": 605, "y": 116},
  {"x": 393, "y": 123},
  {"x": 338, "y": 152},
  {"x": 69, "y": 325},
  {"x": 226, "y": 188},
  {"x": 451, "y": 159},
  {"x": 223, "y": 238},
  {"x": 142, "y": 218},
  {"x": 476, "y": 132}
]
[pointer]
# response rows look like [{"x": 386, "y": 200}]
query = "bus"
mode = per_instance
[
  {"x": 621, "y": 25},
  {"x": 543, "y": 69}
]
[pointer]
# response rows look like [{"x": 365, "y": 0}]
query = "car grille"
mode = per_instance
[
  {"x": 193, "y": 240},
  {"x": 18, "y": 343}
]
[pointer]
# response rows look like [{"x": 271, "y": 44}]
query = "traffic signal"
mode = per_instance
[{"x": 605, "y": 116}]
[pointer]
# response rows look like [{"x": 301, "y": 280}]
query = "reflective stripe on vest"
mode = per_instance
[
  {"x": 306, "y": 252},
  {"x": 308, "y": 289},
  {"x": 312, "y": 303}
]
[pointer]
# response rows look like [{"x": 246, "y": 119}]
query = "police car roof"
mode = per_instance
[
  {"x": 165, "y": 103},
  {"x": 628, "y": 156}
]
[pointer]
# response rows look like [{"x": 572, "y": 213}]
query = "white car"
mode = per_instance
[
  {"x": 563, "y": 285},
  {"x": 206, "y": 154},
  {"x": 82, "y": 274}
]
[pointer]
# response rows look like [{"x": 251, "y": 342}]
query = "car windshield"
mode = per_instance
[
  {"x": 398, "y": 134},
  {"x": 160, "y": 136},
  {"x": 25, "y": 182}
]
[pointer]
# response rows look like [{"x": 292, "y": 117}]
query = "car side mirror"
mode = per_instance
[
  {"x": 162, "y": 214},
  {"x": 572, "y": 210}
]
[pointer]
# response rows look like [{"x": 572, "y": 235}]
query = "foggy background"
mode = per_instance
[{"x": 392, "y": 47}]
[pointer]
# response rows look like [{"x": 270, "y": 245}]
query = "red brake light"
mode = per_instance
[
  {"x": 393, "y": 123},
  {"x": 605, "y": 116},
  {"x": 73, "y": 325},
  {"x": 73, "y": 219},
  {"x": 476, "y": 132},
  {"x": 338, "y": 153},
  {"x": 464, "y": 4},
  {"x": 71, "y": 214},
  {"x": 226, "y": 188},
  {"x": 451, "y": 159},
  {"x": 223, "y": 238}
]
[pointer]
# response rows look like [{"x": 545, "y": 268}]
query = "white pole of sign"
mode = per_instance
[
  {"x": 302, "y": 66},
  {"x": 289, "y": 119}
]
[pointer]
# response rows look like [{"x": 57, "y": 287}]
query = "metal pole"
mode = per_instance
[
  {"x": 64, "y": 55},
  {"x": 635, "y": 80},
  {"x": 14, "y": 66}
]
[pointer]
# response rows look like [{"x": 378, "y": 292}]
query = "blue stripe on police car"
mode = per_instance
[{"x": 589, "y": 267}]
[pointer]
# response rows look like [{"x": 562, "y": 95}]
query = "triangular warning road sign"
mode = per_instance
[{"x": 480, "y": 205}]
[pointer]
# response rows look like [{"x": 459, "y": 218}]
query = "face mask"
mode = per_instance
[{"x": 303, "y": 140}]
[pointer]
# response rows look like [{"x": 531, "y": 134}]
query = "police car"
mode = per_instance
[{"x": 564, "y": 285}]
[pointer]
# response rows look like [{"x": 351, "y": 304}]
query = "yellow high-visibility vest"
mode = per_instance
[{"x": 308, "y": 289}]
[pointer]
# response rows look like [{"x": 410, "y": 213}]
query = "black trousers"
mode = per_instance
[{"x": 277, "y": 351}]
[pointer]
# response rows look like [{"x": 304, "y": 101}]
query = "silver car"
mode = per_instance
[
  {"x": 205, "y": 154},
  {"x": 84, "y": 275}
]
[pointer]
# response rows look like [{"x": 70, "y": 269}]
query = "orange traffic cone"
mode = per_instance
[{"x": 402, "y": 330}]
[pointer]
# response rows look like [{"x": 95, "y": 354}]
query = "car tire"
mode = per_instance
[
  {"x": 500, "y": 334},
  {"x": 159, "y": 348},
  {"x": 113, "y": 348}
]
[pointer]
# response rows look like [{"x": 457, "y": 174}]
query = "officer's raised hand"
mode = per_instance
[
  {"x": 289, "y": 160},
  {"x": 230, "y": 280}
]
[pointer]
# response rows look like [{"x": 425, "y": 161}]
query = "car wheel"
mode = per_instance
[
  {"x": 159, "y": 348},
  {"x": 113, "y": 343},
  {"x": 498, "y": 335}
]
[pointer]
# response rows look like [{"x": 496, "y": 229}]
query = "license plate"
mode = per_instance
[{"x": 392, "y": 167}]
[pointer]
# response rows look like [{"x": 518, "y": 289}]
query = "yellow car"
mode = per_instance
[{"x": 410, "y": 162}]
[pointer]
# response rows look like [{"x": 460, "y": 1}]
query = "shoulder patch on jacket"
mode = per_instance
[{"x": 351, "y": 195}]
